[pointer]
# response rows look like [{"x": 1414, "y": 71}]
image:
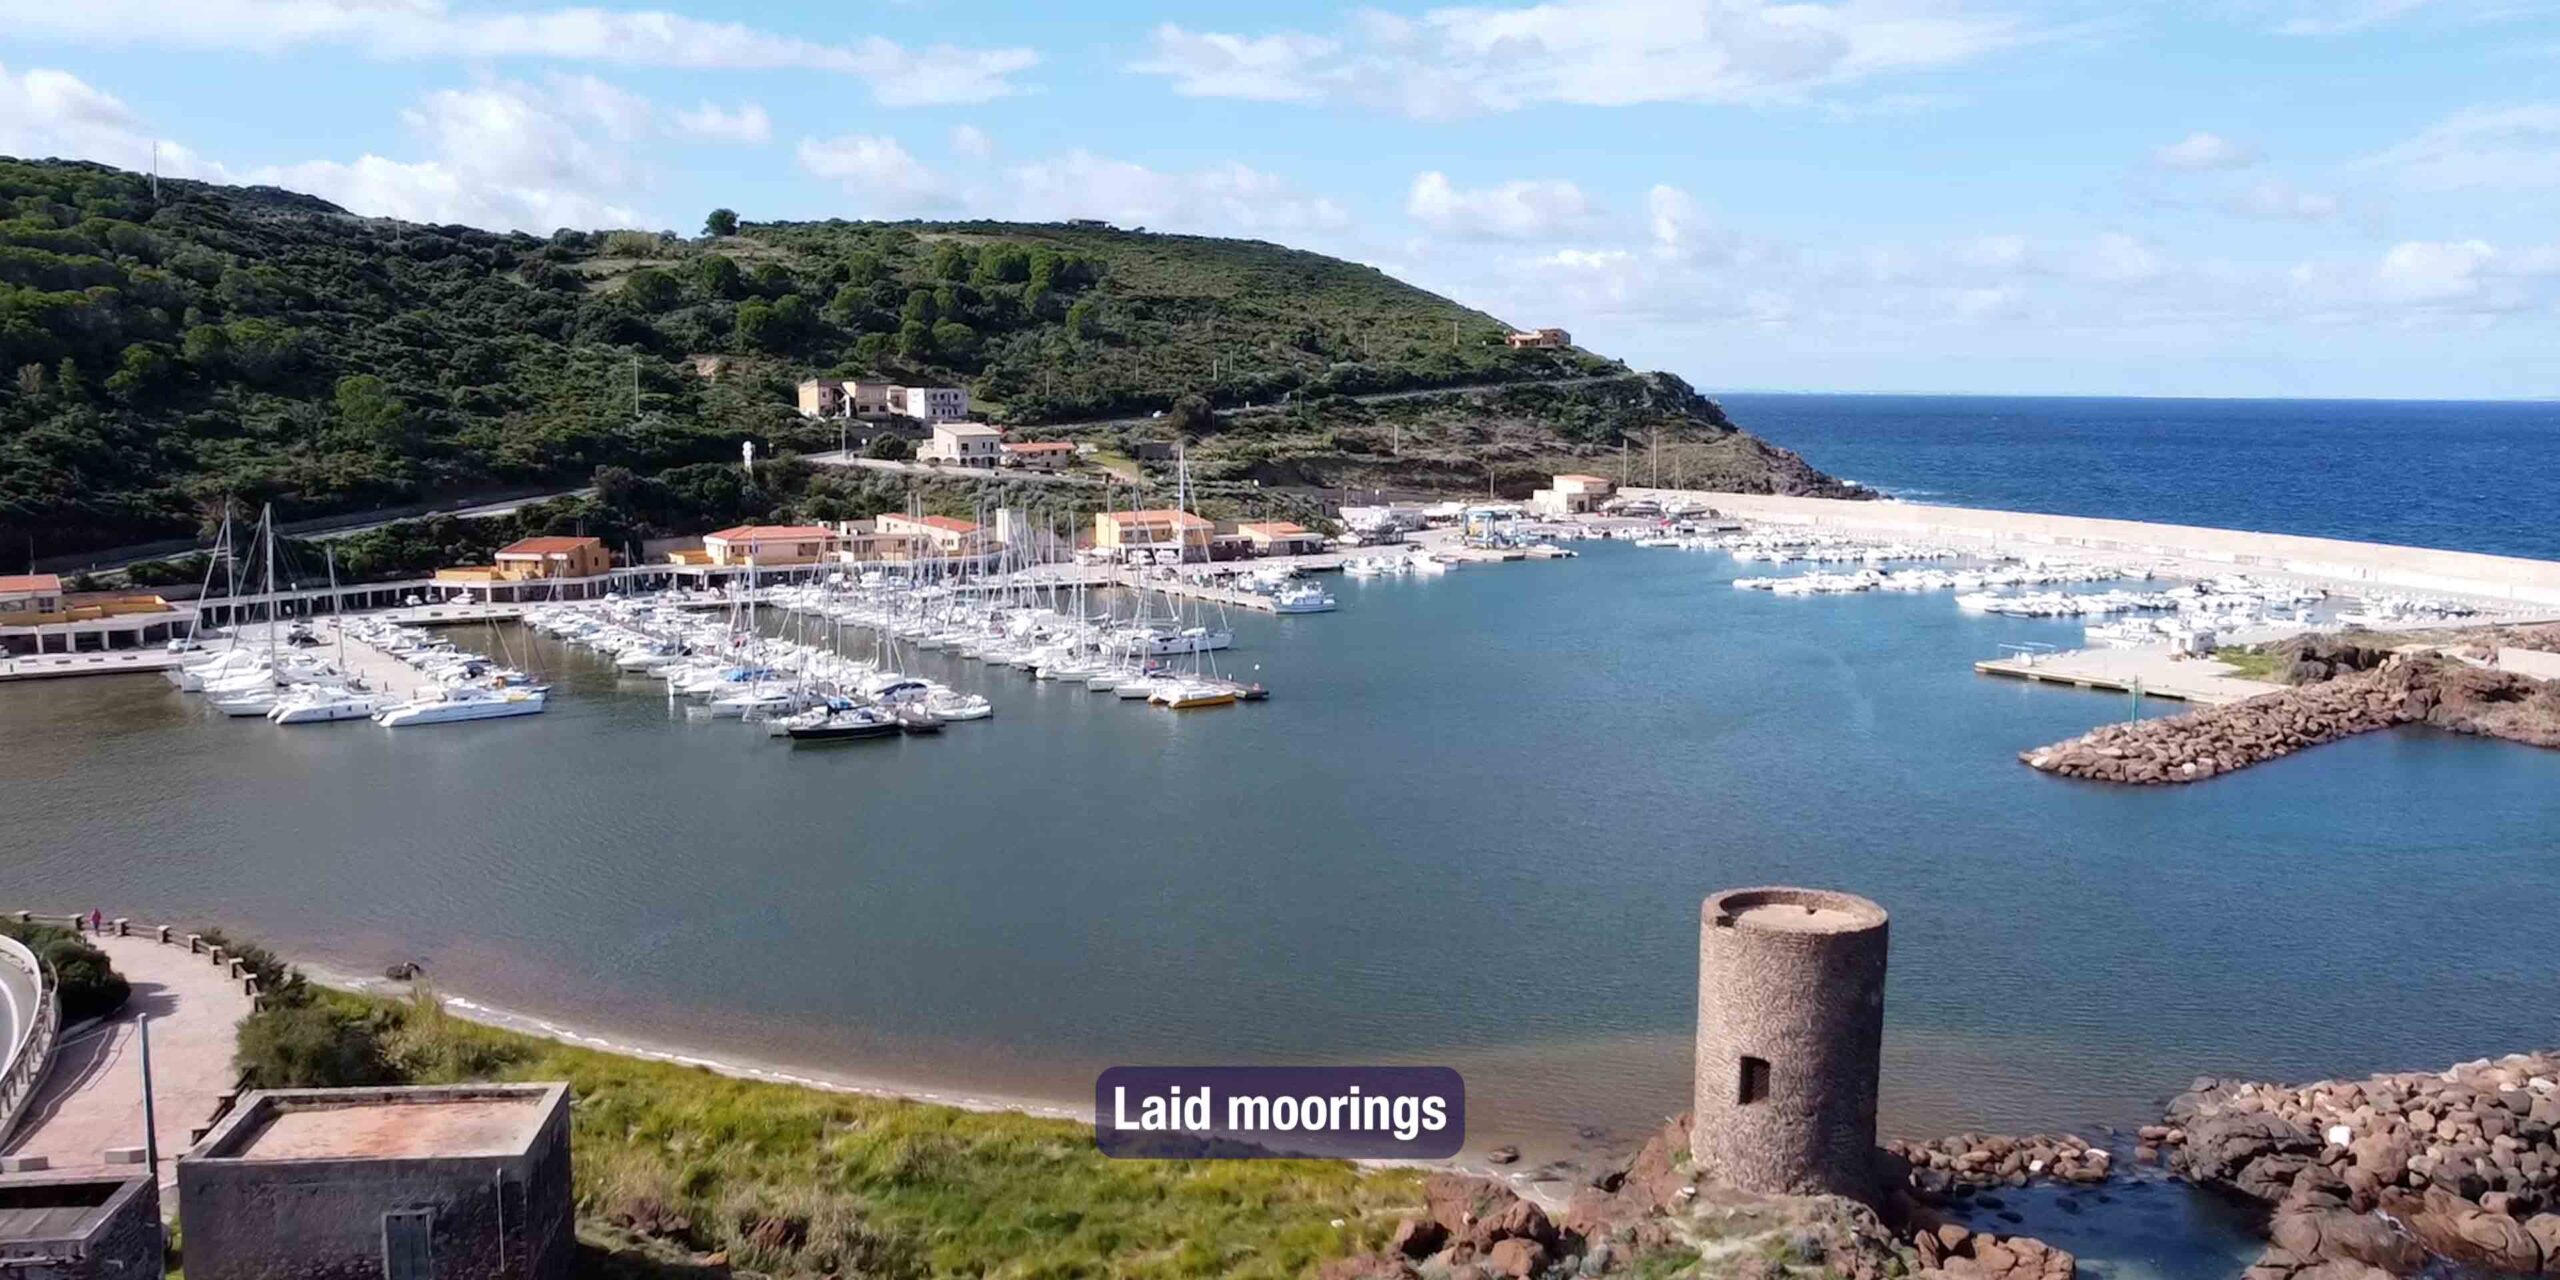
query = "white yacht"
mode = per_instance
[
  {"x": 320, "y": 704},
  {"x": 461, "y": 702},
  {"x": 1302, "y": 597}
]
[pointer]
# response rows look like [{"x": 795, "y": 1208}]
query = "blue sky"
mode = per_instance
[{"x": 2217, "y": 197}]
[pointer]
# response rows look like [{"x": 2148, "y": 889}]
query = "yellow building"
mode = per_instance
[
  {"x": 943, "y": 535},
  {"x": 1281, "y": 538},
  {"x": 769, "y": 545},
  {"x": 532, "y": 558},
  {"x": 1122, "y": 532},
  {"x": 1571, "y": 495}
]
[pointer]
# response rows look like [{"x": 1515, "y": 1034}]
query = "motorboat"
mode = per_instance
[
  {"x": 1302, "y": 597},
  {"x": 462, "y": 702},
  {"x": 846, "y": 725},
  {"x": 319, "y": 704}
]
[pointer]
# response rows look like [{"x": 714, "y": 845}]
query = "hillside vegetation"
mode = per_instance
[{"x": 161, "y": 354}]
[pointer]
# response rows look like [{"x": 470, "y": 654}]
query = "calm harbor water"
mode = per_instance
[
  {"x": 1473, "y": 827},
  {"x": 2470, "y": 475}
]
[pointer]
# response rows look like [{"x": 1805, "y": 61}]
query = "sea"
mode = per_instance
[{"x": 1472, "y": 827}]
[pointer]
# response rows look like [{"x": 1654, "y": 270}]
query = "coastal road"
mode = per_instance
[{"x": 91, "y": 1099}]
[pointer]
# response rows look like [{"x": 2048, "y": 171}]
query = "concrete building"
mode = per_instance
[
  {"x": 530, "y": 559},
  {"x": 871, "y": 398},
  {"x": 821, "y": 398},
  {"x": 933, "y": 404},
  {"x": 939, "y": 535},
  {"x": 1280, "y": 538},
  {"x": 1120, "y": 533},
  {"x": 459, "y": 1182},
  {"x": 1571, "y": 494},
  {"x": 1790, "y": 1040},
  {"x": 963, "y": 444},
  {"x": 81, "y": 1227},
  {"x": 1040, "y": 455},
  {"x": 769, "y": 545},
  {"x": 1539, "y": 340},
  {"x": 31, "y": 593}
]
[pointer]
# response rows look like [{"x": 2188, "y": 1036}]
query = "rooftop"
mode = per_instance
[
  {"x": 45, "y": 582},
  {"x": 1272, "y": 528},
  {"x": 945, "y": 523},
  {"x": 369, "y": 1124},
  {"x": 57, "y": 1208},
  {"x": 1778, "y": 909},
  {"x": 1156, "y": 515},
  {"x": 1040, "y": 446},
  {"x": 973, "y": 430},
  {"x": 547, "y": 546},
  {"x": 770, "y": 532}
]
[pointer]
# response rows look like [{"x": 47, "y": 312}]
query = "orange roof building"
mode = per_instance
[{"x": 769, "y": 545}]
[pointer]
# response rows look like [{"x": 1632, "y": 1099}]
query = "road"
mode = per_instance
[{"x": 91, "y": 1099}]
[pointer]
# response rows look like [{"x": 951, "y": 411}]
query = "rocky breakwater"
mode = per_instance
[
  {"x": 2403, "y": 689},
  {"x": 1656, "y": 1216},
  {"x": 1975, "y": 1160},
  {"x": 2381, "y": 1176}
]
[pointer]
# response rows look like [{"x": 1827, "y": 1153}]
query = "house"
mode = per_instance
[
  {"x": 83, "y": 1226},
  {"x": 31, "y": 593},
  {"x": 531, "y": 558},
  {"x": 873, "y": 398},
  {"x": 942, "y": 535},
  {"x": 769, "y": 545},
  {"x": 1539, "y": 340},
  {"x": 963, "y": 444},
  {"x": 1040, "y": 455},
  {"x": 449, "y": 1182},
  {"x": 821, "y": 398},
  {"x": 1281, "y": 538},
  {"x": 933, "y": 404},
  {"x": 1121, "y": 533},
  {"x": 1571, "y": 495}
]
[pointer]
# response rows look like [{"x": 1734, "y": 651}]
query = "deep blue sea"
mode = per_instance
[{"x": 2469, "y": 475}]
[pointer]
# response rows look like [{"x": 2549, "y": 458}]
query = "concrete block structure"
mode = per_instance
[
  {"x": 80, "y": 1227},
  {"x": 1790, "y": 1040},
  {"x": 461, "y": 1182}
]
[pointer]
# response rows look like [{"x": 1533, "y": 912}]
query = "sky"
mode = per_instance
[{"x": 2310, "y": 198}]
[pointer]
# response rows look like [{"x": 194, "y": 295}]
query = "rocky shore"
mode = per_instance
[
  {"x": 2381, "y": 1176},
  {"x": 2398, "y": 689},
  {"x": 1977, "y": 1160}
]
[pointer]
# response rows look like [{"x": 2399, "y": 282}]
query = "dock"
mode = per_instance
[
  {"x": 2152, "y": 672},
  {"x": 87, "y": 662}
]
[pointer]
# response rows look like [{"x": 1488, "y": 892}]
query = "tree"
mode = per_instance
[
  {"x": 953, "y": 338},
  {"x": 718, "y": 275},
  {"x": 915, "y": 340},
  {"x": 311, "y": 1046},
  {"x": 650, "y": 289},
  {"x": 756, "y": 325},
  {"x": 919, "y": 308},
  {"x": 1080, "y": 319},
  {"x": 1192, "y": 415},
  {"x": 722, "y": 222},
  {"x": 367, "y": 408},
  {"x": 952, "y": 261},
  {"x": 890, "y": 448}
]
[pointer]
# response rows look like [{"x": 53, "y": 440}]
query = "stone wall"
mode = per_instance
[{"x": 125, "y": 1246}]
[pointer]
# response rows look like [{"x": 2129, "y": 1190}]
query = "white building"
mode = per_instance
[
  {"x": 1571, "y": 495},
  {"x": 934, "y": 404},
  {"x": 964, "y": 444}
]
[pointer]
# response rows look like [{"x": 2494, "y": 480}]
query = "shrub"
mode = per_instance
[
  {"x": 312, "y": 1045},
  {"x": 87, "y": 980}
]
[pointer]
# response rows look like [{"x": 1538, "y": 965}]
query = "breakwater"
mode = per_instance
[
  {"x": 2383, "y": 1173},
  {"x": 2404, "y": 689}
]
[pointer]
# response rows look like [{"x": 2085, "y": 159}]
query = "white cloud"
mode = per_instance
[
  {"x": 2280, "y": 201},
  {"x": 47, "y": 112},
  {"x": 1482, "y": 59},
  {"x": 1522, "y": 210},
  {"x": 1222, "y": 199},
  {"x": 2118, "y": 258},
  {"x": 2339, "y": 17},
  {"x": 1987, "y": 302},
  {"x": 1994, "y": 252},
  {"x": 2201, "y": 151},
  {"x": 1208, "y": 64},
  {"x": 435, "y": 29},
  {"x": 2483, "y": 149},
  {"x": 745, "y": 124},
  {"x": 2421, "y": 277},
  {"x": 881, "y": 176},
  {"x": 972, "y": 143}
]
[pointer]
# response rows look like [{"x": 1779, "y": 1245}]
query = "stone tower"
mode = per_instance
[{"x": 1790, "y": 1034}]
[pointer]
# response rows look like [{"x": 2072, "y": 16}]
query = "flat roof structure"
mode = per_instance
[
  {"x": 58, "y": 1208},
  {"x": 451, "y": 1122}
]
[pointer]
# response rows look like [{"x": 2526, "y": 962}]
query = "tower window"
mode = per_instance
[{"x": 1754, "y": 1085}]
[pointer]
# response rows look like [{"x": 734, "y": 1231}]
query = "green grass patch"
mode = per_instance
[{"x": 676, "y": 1161}]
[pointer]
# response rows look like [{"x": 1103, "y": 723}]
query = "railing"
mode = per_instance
[{"x": 33, "y": 1050}]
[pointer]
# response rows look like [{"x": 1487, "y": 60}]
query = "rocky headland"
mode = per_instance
[
  {"x": 2344, "y": 689},
  {"x": 2386, "y": 1175}
]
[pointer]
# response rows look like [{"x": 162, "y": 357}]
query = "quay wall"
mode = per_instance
[{"x": 2510, "y": 579}]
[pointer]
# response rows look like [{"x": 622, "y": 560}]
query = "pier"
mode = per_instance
[{"x": 2153, "y": 673}]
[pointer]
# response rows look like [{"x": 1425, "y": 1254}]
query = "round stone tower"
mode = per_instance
[{"x": 1790, "y": 1035}]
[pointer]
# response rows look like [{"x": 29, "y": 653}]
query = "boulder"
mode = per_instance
[
  {"x": 1418, "y": 1238},
  {"x": 1520, "y": 1259}
]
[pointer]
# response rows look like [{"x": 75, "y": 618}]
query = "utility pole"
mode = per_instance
[
  {"x": 150, "y": 1122},
  {"x": 1653, "y": 442}
]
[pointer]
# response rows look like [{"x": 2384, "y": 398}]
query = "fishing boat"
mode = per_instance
[
  {"x": 462, "y": 702},
  {"x": 1302, "y": 597}
]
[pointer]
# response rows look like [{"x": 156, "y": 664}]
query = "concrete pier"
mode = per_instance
[{"x": 2156, "y": 672}]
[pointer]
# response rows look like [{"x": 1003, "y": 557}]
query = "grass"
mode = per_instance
[
  {"x": 2251, "y": 662},
  {"x": 677, "y": 1162}
]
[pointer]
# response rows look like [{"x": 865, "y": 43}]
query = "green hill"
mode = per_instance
[{"x": 160, "y": 354}]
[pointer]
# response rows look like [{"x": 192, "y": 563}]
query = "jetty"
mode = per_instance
[{"x": 2152, "y": 673}]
